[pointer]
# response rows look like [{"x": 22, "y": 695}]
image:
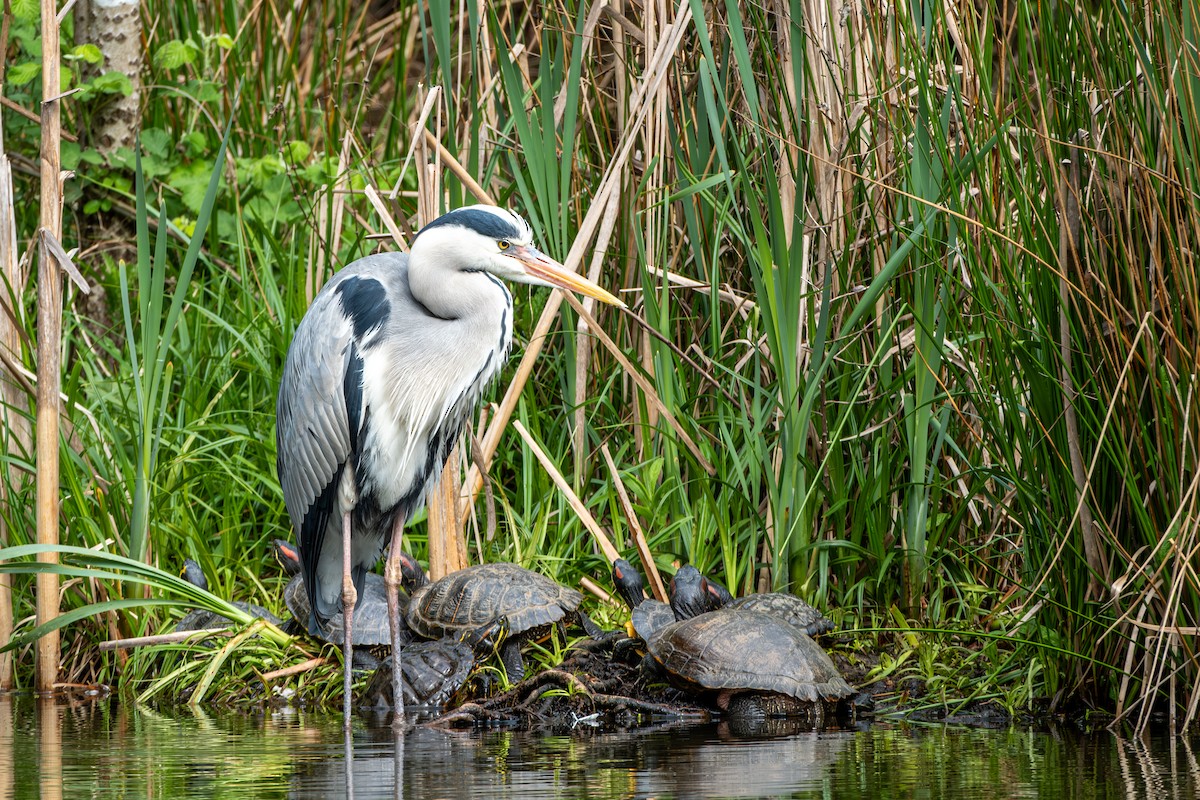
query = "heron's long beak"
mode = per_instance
[{"x": 544, "y": 269}]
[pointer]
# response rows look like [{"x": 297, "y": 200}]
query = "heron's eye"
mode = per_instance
[{"x": 503, "y": 245}]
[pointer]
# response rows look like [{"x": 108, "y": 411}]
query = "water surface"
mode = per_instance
[{"x": 105, "y": 750}]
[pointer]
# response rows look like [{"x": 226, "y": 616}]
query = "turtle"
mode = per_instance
[
  {"x": 645, "y": 615},
  {"x": 199, "y": 619},
  {"x": 370, "y": 628},
  {"x": 477, "y": 596},
  {"x": 758, "y": 665},
  {"x": 705, "y": 595},
  {"x": 432, "y": 672}
]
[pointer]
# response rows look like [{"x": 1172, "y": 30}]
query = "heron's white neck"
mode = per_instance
[{"x": 449, "y": 288}]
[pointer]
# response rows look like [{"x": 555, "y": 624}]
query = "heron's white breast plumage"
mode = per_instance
[{"x": 410, "y": 401}]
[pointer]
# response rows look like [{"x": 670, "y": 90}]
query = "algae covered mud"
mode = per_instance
[{"x": 102, "y": 749}]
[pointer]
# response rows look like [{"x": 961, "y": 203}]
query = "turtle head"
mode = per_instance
[
  {"x": 412, "y": 577},
  {"x": 628, "y": 583},
  {"x": 486, "y": 639},
  {"x": 691, "y": 593},
  {"x": 288, "y": 556},
  {"x": 193, "y": 574},
  {"x": 718, "y": 594}
]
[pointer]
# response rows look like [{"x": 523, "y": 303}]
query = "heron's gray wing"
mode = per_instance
[{"x": 317, "y": 420}]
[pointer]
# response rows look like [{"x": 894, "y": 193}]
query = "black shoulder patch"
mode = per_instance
[
  {"x": 364, "y": 301},
  {"x": 352, "y": 390},
  {"x": 482, "y": 222}
]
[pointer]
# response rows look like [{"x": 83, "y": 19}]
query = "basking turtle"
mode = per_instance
[
  {"x": 645, "y": 615},
  {"x": 199, "y": 619},
  {"x": 705, "y": 595},
  {"x": 759, "y": 665},
  {"x": 487, "y": 593},
  {"x": 370, "y": 628},
  {"x": 432, "y": 672}
]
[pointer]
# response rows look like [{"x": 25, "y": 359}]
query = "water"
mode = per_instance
[{"x": 104, "y": 750}]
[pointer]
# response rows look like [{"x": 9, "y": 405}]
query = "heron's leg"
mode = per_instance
[
  {"x": 391, "y": 582},
  {"x": 349, "y": 601}
]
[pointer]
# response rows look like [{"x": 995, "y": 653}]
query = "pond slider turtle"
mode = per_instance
[
  {"x": 645, "y": 615},
  {"x": 484, "y": 594},
  {"x": 432, "y": 672},
  {"x": 199, "y": 619},
  {"x": 757, "y": 664},
  {"x": 370, "y": 628},
  {"x": 703, "y": 594}
]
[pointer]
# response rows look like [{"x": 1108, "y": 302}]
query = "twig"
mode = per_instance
[
  {"x": 467, "y": 712},
  {"x": 532, "y": 692},
  {"x": 164, "y": 638},
  {"x": 295, "y": 669}
]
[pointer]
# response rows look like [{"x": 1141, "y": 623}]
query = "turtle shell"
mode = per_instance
[
  {"x": 370, "y": 626},
  {"x": 650, "y": 616},
  {"x": 485, "y": 593},
  {"x": 736, "y": 650},
  {"x": 199, "y": 619},
  {"x": 789, "y": 608},
  {"x": 432, "y": 672}
]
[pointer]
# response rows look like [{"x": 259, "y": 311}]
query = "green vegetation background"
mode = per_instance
[{"x": 943, "y": 271}]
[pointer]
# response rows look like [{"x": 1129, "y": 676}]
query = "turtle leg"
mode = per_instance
[
  {"x": 596, "y": 632},
  {"x": 391, "y": 580},
  {"x": 510, "y": 657},
  {"x": 349, "y": 601}
]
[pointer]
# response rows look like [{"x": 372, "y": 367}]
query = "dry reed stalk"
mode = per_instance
[
  {"x": 585, "y": 516},
  {"x": 583, "y": 341},
  {"x": 652, "y": 398},
  {"x": 1068, "y": 258},
  {"x": 14, "y": 394},
  {"x": 294, "y": 669},
  {"x": 49, "y": 338},
  {"x": 597, "y": 589},
  {"x": 173, "y": 637},
  {"x": 639, "y": 537},
  {"x": 655, "y": 73},
  {"x": 329, "y": 219}
]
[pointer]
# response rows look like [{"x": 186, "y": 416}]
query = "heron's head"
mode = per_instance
[{"x": 495, "y": 240}]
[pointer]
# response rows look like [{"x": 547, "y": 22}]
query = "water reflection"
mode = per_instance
[{"x": 104, "y": 750}]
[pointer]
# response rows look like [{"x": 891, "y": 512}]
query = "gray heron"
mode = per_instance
[{"x": 384, "y": 370}]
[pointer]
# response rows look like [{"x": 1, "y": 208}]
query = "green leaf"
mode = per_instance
[
  {"x": 195, "y": 144},
  {"x": 223, "y": 41},
  {"x": 296, "y": 152},
  {"x": 87, "y": 52},
  {"x": 157, "y": 142},
  {"x": 175, "y": 54},
  {"x": 192, "y": 180},
  {"x": 26, "y": 10},
  {"x": 203, "y": 91},
  {"x": 112, "y": 83},
  {"x": 24, "y": 72}
]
